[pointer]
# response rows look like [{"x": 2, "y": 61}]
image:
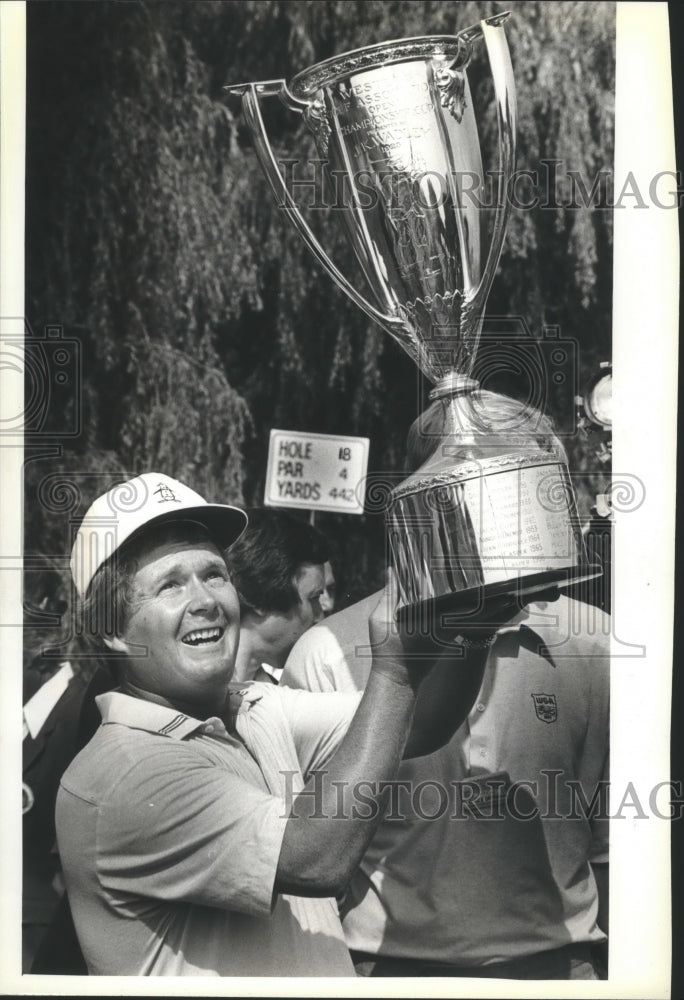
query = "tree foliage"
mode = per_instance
[{"x": 202, "y": 319}]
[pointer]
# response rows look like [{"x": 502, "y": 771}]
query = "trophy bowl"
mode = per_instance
[{"x": 396, "y": 121}]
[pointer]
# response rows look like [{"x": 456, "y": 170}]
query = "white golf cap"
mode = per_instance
[{"x": 126, "y": 508}]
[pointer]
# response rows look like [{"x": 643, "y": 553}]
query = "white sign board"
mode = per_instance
[{"x": 316, "y": 471}]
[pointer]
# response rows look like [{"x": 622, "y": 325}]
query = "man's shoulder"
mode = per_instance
[
  {"x": 283, "y": 702},
  {"x": 347, "y": 625},
  {"x": 114, "y": 753},
  {"x": 574, "y": 634},
  {"x": 334, "y": 654},
  {"x": 582, "y": 622}
]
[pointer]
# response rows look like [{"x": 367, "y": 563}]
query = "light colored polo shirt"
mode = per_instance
[
  {"x": 477, "y": 884},
  {"x": 169, "y": 832}
]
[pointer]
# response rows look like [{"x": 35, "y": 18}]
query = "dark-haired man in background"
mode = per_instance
[{"x": 278, "y": 570}]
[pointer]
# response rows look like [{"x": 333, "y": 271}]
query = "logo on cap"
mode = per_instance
[
  {"x": 166, "y": 494},
  {"x": 546, "y": 707}
]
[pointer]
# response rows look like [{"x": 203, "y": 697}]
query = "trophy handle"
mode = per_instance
[
  {"x": 250, "y": 93},
  {"x": 504, "y": 90}
]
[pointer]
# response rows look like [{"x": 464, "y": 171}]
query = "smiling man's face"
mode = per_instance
[{"x": 182, "y": 628}]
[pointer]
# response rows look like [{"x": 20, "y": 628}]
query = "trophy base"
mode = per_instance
[{"x": 477, "y": 605}]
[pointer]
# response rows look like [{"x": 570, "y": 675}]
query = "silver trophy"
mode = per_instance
[{"x": 492, "y": 511}]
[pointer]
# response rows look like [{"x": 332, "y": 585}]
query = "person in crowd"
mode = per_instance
[
  {"x": 56, "y": 724},
  {"x": 207, "y": 827},
  {"x": 277, "y": 568},
  {"x": 52, "y": 693},
  {"x": 491, "y": 865},
  {"x": 329, "y": 595}
]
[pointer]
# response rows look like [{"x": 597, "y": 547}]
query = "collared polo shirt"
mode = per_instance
[
  {"x": 486, "y": 851},
  {"x": 169, "y": 831}
]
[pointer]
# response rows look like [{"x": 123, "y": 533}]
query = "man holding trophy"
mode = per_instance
[
  {"x": 207, "y": 827},
  {"x": 487, "y": 513}
]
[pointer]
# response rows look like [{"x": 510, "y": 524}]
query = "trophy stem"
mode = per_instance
[{"x": 454, "y": 384}]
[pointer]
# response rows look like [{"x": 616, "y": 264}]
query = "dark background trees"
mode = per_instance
[{"x": 200, "y": 318}]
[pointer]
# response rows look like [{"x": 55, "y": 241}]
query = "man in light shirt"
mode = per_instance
[
  {"x": 493, "y": 859},
  {"x": 449, "y": 886}
]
